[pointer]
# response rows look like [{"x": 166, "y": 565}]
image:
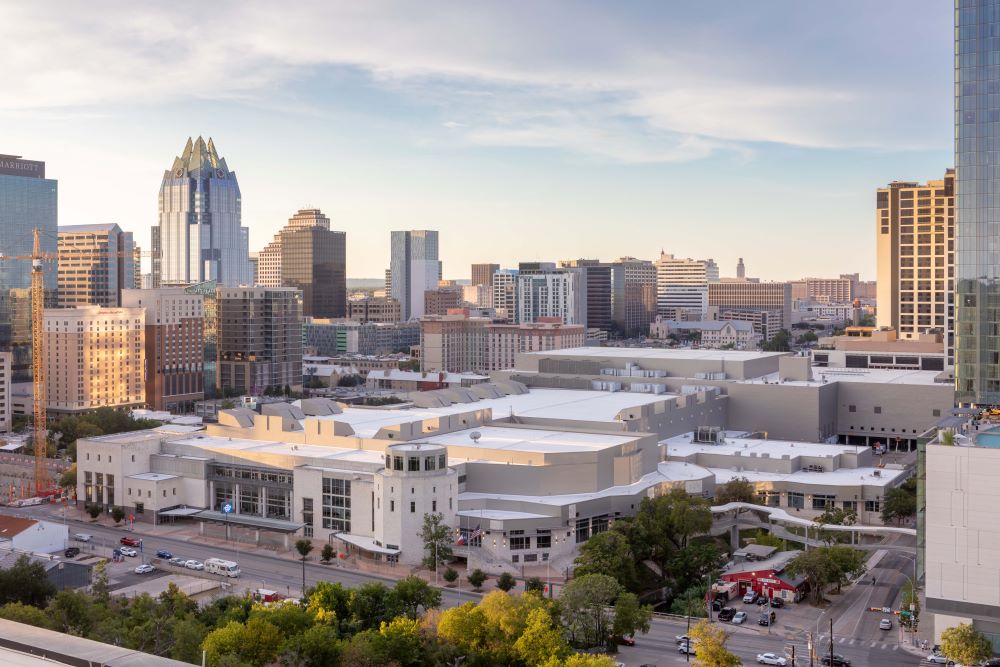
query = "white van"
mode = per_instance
[{"x": 226, "y": 568}]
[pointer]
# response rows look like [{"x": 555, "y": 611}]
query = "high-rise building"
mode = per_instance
[
  {"x": 333, "y": 337},
  {"x": 6, "y": 398},
  {"x": 482, "y": 274},
  {"x": 505, "y": 293},
  {"x": 200, "y": 234},
  {"x": 175, "y": 342},
  {"x": 741, "y": 269},
  {"x": 269, "y": 264},
  {"x": 558, "y": 293},
  {"x": 414, "y": 269},
  {"x": 727, "y": 298},
  {"x": 208, "y": 291},
  {"x": 96, "y": 262},
  {"x": 260, "y": 338},
  {"x": 314, "y": 260},
  {"x": 597, "y": 284},
  {"x": 915, "y": 227},
  {"x": 453, "y": 343},
  {"x": 505, "y": 341},
  {"x": 682, "y": 285},
  {"x": 27, "y": 200},
  {"x": 94, "y": 357},
  {"x": 633, "y": 295},
  {"x": 440, "y": 301}
]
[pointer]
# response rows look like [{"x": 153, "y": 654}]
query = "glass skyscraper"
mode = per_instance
[
  {"x": 200, "y": 236},
  {"x": 977, "y": 210},
  {"x": 414, "y": 269},
  {"x": 27, "y": 200}
]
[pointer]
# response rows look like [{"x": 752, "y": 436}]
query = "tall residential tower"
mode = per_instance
[
  {"x": 200, "y": 235},
  {"x": 415, "y": 268}
]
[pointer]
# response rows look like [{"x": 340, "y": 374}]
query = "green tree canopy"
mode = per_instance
[
  {"x": 965, "y": 645},
  {"x": 26, "y": 582},
  {"x": 738, "y": 490},
  {"x": 608, "y": 553},
  {"x": 586, "y": 602},
  {"x": 437, "y": 538},
  {"x": 899, "y": 504}
]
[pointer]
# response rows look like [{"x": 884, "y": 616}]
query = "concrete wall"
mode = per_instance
[{"x": 906, "y": 409}]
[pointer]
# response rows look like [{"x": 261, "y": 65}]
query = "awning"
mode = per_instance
[
  {"x": 182, "y": 511},
  {"x": 279, "y": 525},
  {"x": 12, "y": 447},
  {"x": 365, "y": 543}
]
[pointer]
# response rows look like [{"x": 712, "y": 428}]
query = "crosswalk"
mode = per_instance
[{"x": 824, "y": 640}]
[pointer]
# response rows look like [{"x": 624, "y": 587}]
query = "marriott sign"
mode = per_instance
[{"x": 13, "y": 165}]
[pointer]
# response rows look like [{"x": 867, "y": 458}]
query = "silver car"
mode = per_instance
[
  {"x": 739, "y": 618},
  {"x": 194, "y": 565}
]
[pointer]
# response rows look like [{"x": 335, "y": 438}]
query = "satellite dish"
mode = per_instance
[{"x": 475, "y": 435}]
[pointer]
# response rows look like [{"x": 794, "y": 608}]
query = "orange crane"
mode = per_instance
[{"x": 38, "y": 258}]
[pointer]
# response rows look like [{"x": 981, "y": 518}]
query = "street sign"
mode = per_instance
[{"x": 227, "y": 508}]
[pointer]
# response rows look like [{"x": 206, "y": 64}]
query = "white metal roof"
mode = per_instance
[{"x": 657, "y": 353}]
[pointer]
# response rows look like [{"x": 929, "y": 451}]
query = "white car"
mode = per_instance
[
  {"x": 176, "y": 560},
  {"x": 936, "y": 659},
  {"x": 194, "y": 565},
  {"x": 686, "y": 647},
  {"x": 145, "y": 568},
  {"x": 739, "y": 618},
  {"x": 83, "y": 537},
  {"x": 682, "y": 639},
  {"x": 771, "y": 659},
  {"x": 128, "y": 551},
  {"x": 750, "y": 597},
  {"x": 885, "y": 624}
]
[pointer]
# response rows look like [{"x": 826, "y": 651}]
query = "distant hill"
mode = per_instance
[{"x": 365, "y": 283}]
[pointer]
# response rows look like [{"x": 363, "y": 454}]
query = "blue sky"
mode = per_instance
[{"x": 520, "y": 130}]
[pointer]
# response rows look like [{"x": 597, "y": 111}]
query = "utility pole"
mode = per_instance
[{"x": 831, "y": 641}]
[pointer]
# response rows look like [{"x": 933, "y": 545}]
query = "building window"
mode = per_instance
[
  {"x": 434, "y": 506},
  {"x": 878, "y": 409},
  {"x": 442, "y": 461},
  {"x": 413, "y": 464},
  {"x": 769, "y": 498},
  {"x": 852, "y": 408},
  {"x": 520, "y": 543},
  {"x": 543, "y": 542},
  {"x": 530, "y": 558},
  {"x": 429, "y": 463},
  {"x": 851, "y": 505},
  {"x": 822, "y": 502},
  {"x": 392, "y": 505},
  {"x": 872, "y": 506},
  {"x": 397, "y": 462},
  {"x": 582, "y": 530},
  {"x": 413, "y": 507},
  {"x": 796, "y": 500},
  {"x": 337, "y": 504},
  {"x": 515, "y": 558}
]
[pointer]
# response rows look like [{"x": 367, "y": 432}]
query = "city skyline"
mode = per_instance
[{"x": 457, "y": 126}]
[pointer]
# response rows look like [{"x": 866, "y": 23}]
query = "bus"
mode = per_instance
[{"x": 226, "y": 568}]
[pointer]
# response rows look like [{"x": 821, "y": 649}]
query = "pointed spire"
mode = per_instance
[{"x": 187, "y": 150}]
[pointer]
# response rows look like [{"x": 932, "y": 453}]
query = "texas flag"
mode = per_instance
[{"x": 461, "y": 540}]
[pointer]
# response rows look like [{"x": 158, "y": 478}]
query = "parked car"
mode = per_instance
[
  {"x": 771, "y": 659},
  {"x": 686, "y": 647},
  {"x": 194, "y": 565},
  {"x": 727, "y": 614},
  {"x": 750, "y": 597},
  {"x": 177, "y": 561},
  {"x": 128, "y": 551},
  {"x": 130, "y": 541},
  {"x": 682, "y": 639},
  {"x": 777, "y": 603},
  {"x": 885, "y": 624},
  {"x": 72, "y": 552},
  {"x": 739, "y": 618},
  {"x": 627, "y": 640},
  {"x": 937, "y": 659},
  {"x": 83, "y": 537},
  {"x": 145, "y": 568},
  {"x": 837, "y": 661},
  {"x": 767, "y": 618},
  {"x": 163, "y": 553}
]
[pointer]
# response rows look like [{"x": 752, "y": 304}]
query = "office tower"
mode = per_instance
[
  {"x": 208, "y": 292},
  {"x": 915, "y": 225},
  {"x": 741, "y": 270},
  {"x": 387, "y": 283},
  {"x": 269, "y": 264},
  {"x": 96, "y": 262},
  {"x": 254, "y": 263},
  {"x": 453, "y": 343},
  {"x": 260, "y": 339},
  {"x": 6, "y": 399},
  {"x": 633, "y": 295},
  {"x": 175, "y": 342},
  {"x": 415, "y": 269},
  {"x": 155, "y": 260},
  {"x": 775, "y": 299},
  {"x": 373, "y": 309},
  {"x": 597, "y": 284},
  {"x": 200, "y": 235},
  {"x": 314, "y": 260},
  {"x": 440, "y": 301},
  {"x": 552, "y": 293},
  {"x": 27, "y": 200},
  {"x": 333, "y": 337},
  {"x": 482, "y": 274},
  {"x": 682, "y": 285},
  {"x": 480, "y": 296},
  {"x": 824, "y": 290},
  {"x": 505, "y": 293},
  {"x": 94, "y": 358}
]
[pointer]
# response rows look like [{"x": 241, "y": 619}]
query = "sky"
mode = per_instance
[{"x": 521, "y": 131}]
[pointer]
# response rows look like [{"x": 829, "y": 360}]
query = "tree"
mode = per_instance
[
  {"x": 506, "y": 581},
  {"x": 24, "y": 613},
  {"x": 898, "y": 504},
  {"x": 328, "y": 553},
  {"x": 630, "y": 616},
  {"x": 608, "y": 553},
  {"x": 477, "y": 578},
  {"x": 586, "y": 615},
  {"x": 691, "y": 602},
  {"x": 767, "y": 539},
  {"x": 779, "y": 343},
  {"x": 303, "y": 547},
  {"x": 227, "y": 404},
  {"x": 436, "y": 536},
  {"x": 451, "y": 576},
  {"x": 93, "y": 509},
  {"x": 67, "y": 480},
  {"x": 965, "y": 645},
  {"x": 838, "y": 516},
  {"x": 808, "y": 337},
  {"x": 542, "y": 639},
  {"x": 26, "y": 582},
  {"x": 370, "y": 605},
  {"x": 256, "y": 643},
  {"x": 329, "y": 602},
  {"x": 825, "y": 566},
  {"x": 909, "y": 603},
  {"x": 534, "y": 585},
  {"x": 412, "y": 593},
  {"x": 737, "y": 490},
  {"x": 319, "y": 645},
  {"x": 665, "y": 524},
  {"x": 117, "y": 513},
  {"x": 711, "y": 642}
]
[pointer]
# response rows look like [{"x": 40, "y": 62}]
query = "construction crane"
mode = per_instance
[{"x": 38, "y": 259}]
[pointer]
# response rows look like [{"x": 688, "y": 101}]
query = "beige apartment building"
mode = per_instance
[
  {"x": 175, "y": 346},
  {"x": 915, "y": 232},
  {"x": 95, "y": 357},
  {"x": 772, "y": 298},
  {"x": 96, "y": 262},
  {"x": 454, "y": 342},
  {"x": 374, "y": 309},
  {"x": 823, "y": 290},
  {"x": 505, "y": 341},
  {"x": 482, "y": 274}
]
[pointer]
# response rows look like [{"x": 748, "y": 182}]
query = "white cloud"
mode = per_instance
[{"x": 554, "y": 76}]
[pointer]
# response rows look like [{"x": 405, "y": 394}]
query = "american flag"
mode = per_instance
[{"x": 478, "y": 532}]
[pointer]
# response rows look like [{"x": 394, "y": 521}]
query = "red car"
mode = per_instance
[
  {"x": 627, "y": 640},
  {"x": 130, "y": 541}
]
